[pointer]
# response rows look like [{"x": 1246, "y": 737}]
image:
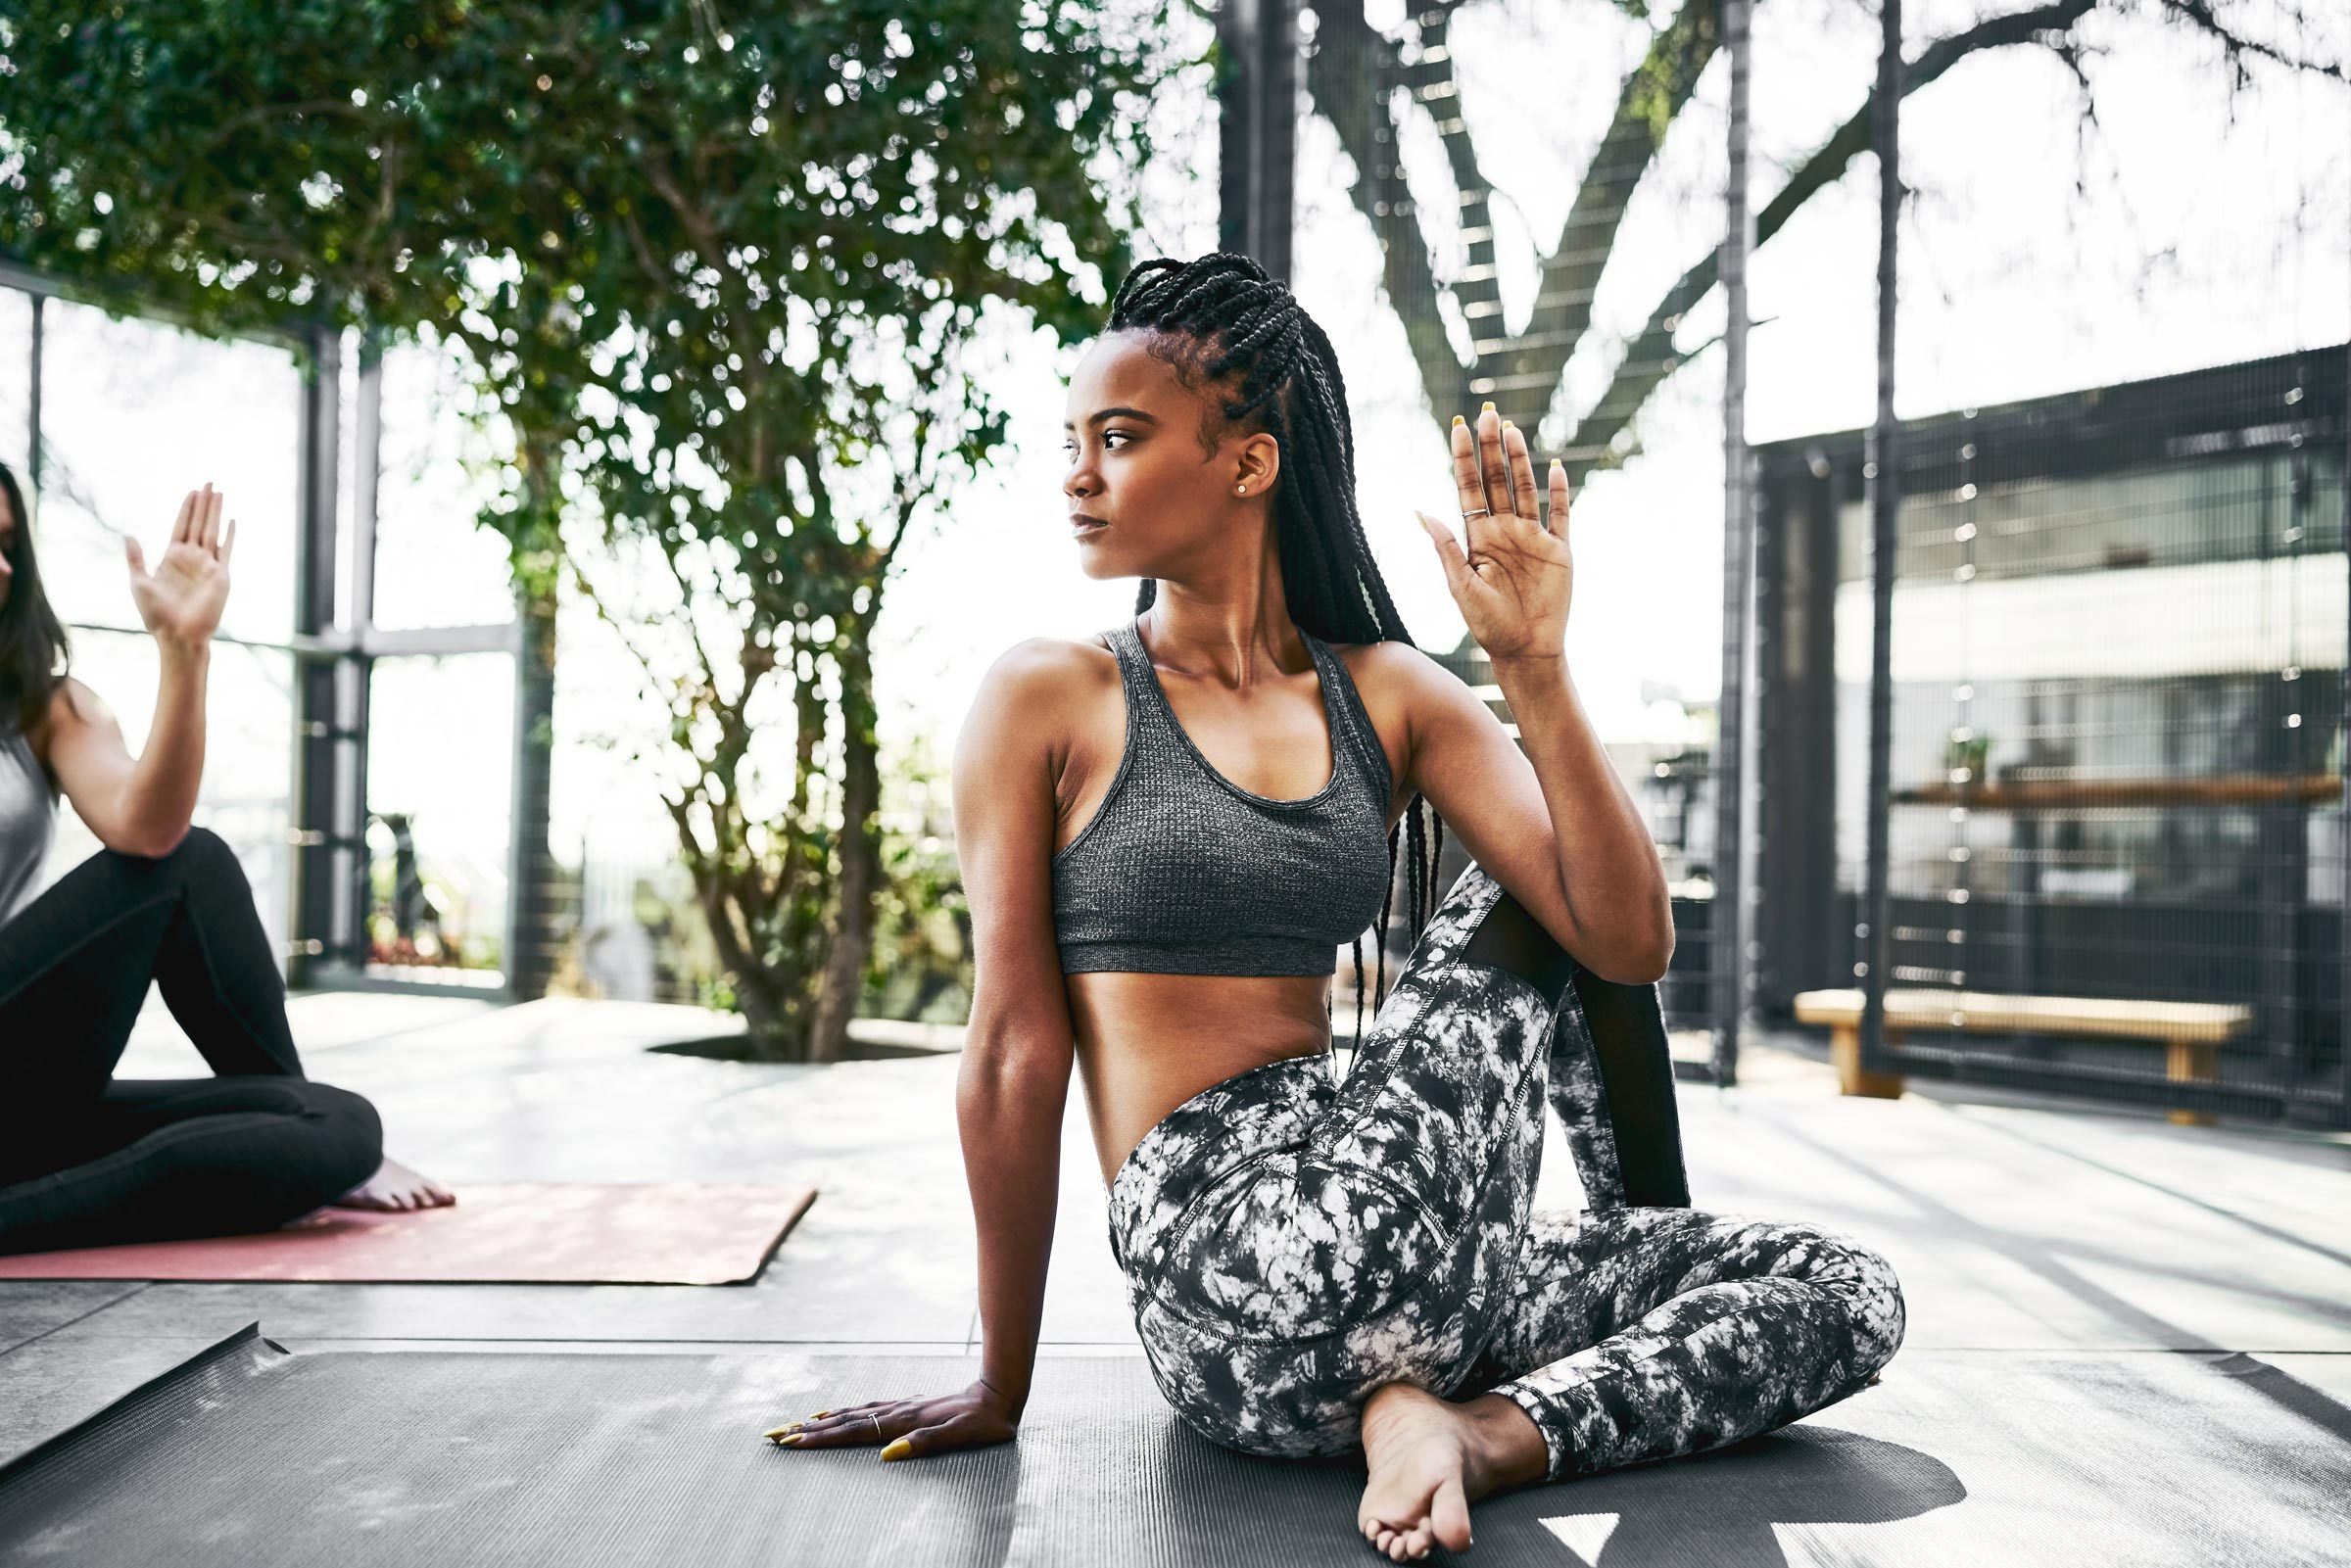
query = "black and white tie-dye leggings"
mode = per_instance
[{"x": 1292, "y": 1242}]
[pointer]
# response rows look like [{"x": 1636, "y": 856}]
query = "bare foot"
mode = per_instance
[
  {"x": 395, "y": 1186},
  {"x": 1430, "y": 1459}
]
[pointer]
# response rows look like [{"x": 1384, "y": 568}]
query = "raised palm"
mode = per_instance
[
  {"x": 180, "y": 601},
  {"x": 1514, "y": 578}
]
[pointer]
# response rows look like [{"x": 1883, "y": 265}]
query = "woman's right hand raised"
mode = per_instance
[
  {"x": 181, "y": 600},
  {"x": 968, "y": 1418}
]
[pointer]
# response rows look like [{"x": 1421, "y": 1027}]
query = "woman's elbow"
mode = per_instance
[
  {"x": 1643, "y": 964},
  {"x": 1006, "y": 1058}
]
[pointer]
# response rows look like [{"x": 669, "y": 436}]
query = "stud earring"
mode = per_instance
[{"x": 1240, "y": 490}]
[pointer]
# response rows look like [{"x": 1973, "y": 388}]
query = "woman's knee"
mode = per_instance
[
  {"x": 203, "y": 850},
  {"x": 202, "y": 863},
  {"x": 1866, "y": 1282},
  {"x": 200, "y": 845}
]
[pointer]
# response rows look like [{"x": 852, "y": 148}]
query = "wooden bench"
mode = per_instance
[{"x": 2190, "y": 1032}]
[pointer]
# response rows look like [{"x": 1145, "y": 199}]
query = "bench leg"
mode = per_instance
[
  {"x": 1844, "y": 1050},
  {"x": 2190, "y": 1062}
]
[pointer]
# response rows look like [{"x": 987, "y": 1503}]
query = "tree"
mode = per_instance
[
  {"x": 1525, "y": 369},
  {"x": 719, "y": 279}
]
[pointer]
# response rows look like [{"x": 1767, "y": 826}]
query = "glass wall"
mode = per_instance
[
  {"x": 439, "y": 793},
  {"x": 434, "y": 567},
  {"x": 381, "y": 849},
  {"x": 15, "y": 378},
  {"x": 2116, "y": 729},
  {"x": 134, "y": 414}
]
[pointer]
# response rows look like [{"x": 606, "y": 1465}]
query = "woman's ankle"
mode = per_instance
[{"x": 1512, "y": 1446}]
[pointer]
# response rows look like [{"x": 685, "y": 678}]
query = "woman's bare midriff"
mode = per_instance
[{"x": 1146, "y": 1043}]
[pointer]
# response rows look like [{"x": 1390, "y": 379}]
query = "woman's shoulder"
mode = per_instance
[
  {"x": 1038, "y": 687},
  {"x": 72, "y": 705},
  {"x": 1039, "y": 666},
  {"x": 1391, "y": 666}
]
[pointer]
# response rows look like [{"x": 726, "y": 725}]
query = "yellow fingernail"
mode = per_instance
[
  {"x": 820, "y": 1416},
  {"x": 1485, "y": 407},
  {"x": 1458, "y": 420},
  {"x": 793, "y": 1437},
  {"x": 898, "y": 1449}
]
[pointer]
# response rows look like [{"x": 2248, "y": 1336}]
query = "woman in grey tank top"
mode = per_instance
[
  {"x": 86, "y": 1157},
  {"x": 1320, "y": 1263}
]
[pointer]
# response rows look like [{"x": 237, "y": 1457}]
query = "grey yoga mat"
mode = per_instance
[{"x": 250, "y": 1454}]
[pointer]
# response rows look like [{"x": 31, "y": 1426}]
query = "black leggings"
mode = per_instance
[{"x": 88, "y": 1160}]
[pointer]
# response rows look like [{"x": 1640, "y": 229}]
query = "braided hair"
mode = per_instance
[{"x": 1223, "y": 319}]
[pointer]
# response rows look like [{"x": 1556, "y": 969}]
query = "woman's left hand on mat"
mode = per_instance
[
  {"x": 968, "y": 1418},
  {"x": 1515, "y": 579}
]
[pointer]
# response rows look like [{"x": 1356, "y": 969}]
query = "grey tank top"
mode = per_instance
[
  {"x": 28, "y": 821},
  {"x": 1183, "y": 872}
]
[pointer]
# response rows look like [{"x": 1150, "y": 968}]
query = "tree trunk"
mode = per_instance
[
  {"x": 852, "y": 943},
  {"x": 769, "y": 1031}
]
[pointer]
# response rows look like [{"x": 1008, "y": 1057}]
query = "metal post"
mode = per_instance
[
  {"x": 2342, "y": 990},
  {"x": 355, "y": 672},
  {"x": 33, "y": 417},
  {"x": 1731, "y": 841},
  {"x": 317, "y": 899},
  {"x": 1257, "y": 129},
  {"x": 1883, "y": 477}
]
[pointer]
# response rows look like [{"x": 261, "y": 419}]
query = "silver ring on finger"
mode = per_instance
[
  {"x": 1482, "y": 511},
  {"x": 877, "y": 1420}
]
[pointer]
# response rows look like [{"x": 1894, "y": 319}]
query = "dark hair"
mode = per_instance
[
  {"x": 34, "y": 649},
  {"x": 1223, "y": 316}
]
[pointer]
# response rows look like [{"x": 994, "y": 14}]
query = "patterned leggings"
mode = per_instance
[{"x": 1291, "y": 1244}]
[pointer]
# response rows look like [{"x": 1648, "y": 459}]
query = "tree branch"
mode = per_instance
[
  {"x": 1530, "y": 366},
  {"x": 1345, "y": 94},
  {"x": 1651, "y": 357}
]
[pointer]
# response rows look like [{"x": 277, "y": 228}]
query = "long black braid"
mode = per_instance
[{"x": 1223, "y": 316}]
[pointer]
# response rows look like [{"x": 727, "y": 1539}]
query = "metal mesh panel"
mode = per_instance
[{"x": 2117, "y": 744}]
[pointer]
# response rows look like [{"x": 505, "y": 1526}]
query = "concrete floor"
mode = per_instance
[{"x": 2045, "y": 1242}]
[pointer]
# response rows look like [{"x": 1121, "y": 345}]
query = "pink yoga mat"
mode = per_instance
[{"x": 620, "y": 1233}]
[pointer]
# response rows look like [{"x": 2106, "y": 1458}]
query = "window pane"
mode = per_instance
[
  {"x": 440, "y": 797},
  {"x": 15, "y": 378},
  {"x": 134, "y": 416},
  {"x": 248, "y": 758},
  {"x": 433, "y": 565}
]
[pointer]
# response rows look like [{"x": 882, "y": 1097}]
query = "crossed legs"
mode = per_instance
[
  {"x": 1627, "y": 1333},
  {"x": 86, "y": 1159}
]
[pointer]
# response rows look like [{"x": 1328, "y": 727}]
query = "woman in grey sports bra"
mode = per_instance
[
  {"x": 86, "y": 1158},
  {"x": 1318, "y": 1262}
]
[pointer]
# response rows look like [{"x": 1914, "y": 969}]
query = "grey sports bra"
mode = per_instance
[
  {"x": 27, "y": 819},
  {"x": 1183, "y": 872}
]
